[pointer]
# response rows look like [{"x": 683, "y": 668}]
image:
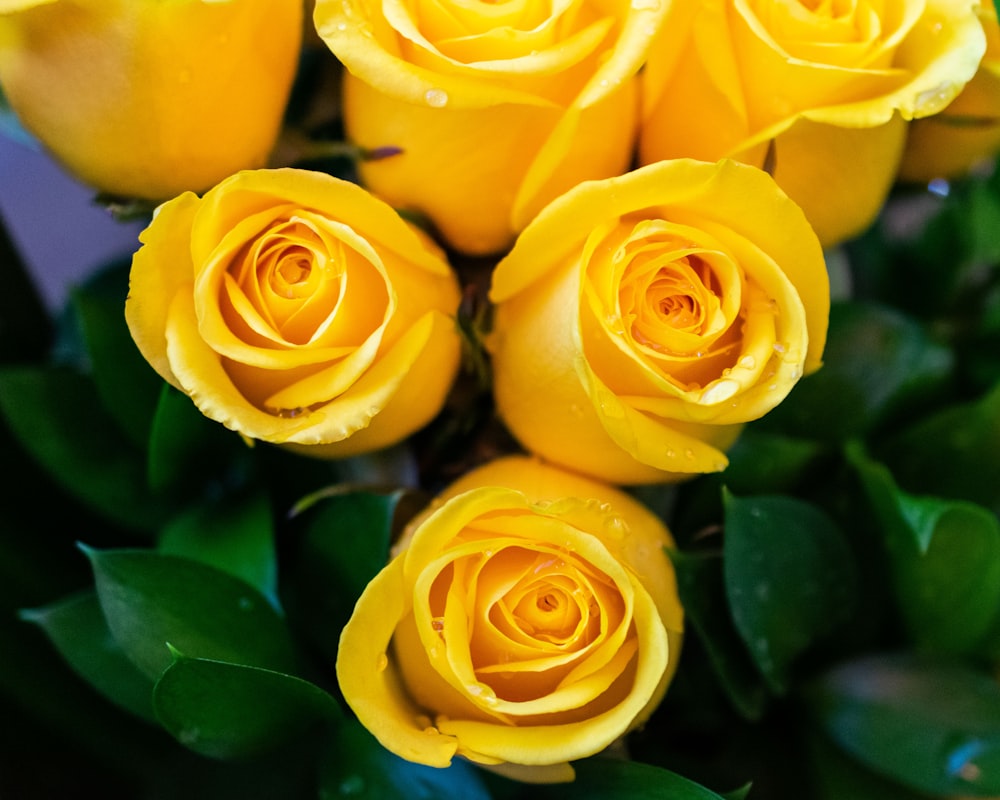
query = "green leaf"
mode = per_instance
[
  {"x": 762, "y": 462},
  {"x": 151, "y": 600},
  {"x": 838, "y": 776},
  {"x": 234, "y": 533},
  {"x": 702, "y": 593},
  {"x": 790, "y": 579},
  {"x": 228, "y": 711},
  {"x": 358, "y": 766},
  {"x": 944, "y": 558},
  {"x": 931, "y": 725},
  {"x": 600, "y": 778},
  {"x": 127, "y": 385},
  {"x": 877, "y": 365},
  {"x": 191, "y": 455},
  {"x": 77, "y": 628},
  {"x": 343, "y": 544},
  {"x": 954, "y": 453},
  {"x": 57, "y": 416}
]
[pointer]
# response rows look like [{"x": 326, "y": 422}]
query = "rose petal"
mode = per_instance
[{"x": 370, "y": 682}]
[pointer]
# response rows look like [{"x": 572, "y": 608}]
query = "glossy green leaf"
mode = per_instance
[
  {"x": 762, "y": 462},
  {"x": 191, "y": 455},
  {"x": 877, "y": 365},
  {"x": 703, "y": 595},
  {"x": 77, "y": 628},
  {"x": 837, "y": 775},
  {"x": 127, "y": 385},
  {"x": 600, "y": 778},
  {"x": 945, "y": 562},
  {"x": 228, "y": 711},
  {"x": 358, "y": 766},
  {"x": 57, "y": 416},
  {"x": 151, "y": 600},
  {"x": 234, "y": 533},
  {"x": 790, "y": 579},
  {"x": 931, "y": 725},
  {"x": 343, "y": 543},
  {"x": 954, "y": 453}
]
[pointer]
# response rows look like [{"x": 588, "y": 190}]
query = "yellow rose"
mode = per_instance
[
  {"x": 824, "y": 87},
  {"x": 296, "y": 308},
  {"x": 497, "y": 107},
  {"x": 967, "y": 132},
  {"x": 530, "y": 618},
  {"x": 642, "y": 318},
  {"x": 145, "y": 98}
]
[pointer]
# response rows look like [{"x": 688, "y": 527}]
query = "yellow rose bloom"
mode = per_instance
[
  {"x": 149, "y": 99},
  {"x": 497, "y": 107},
  {"x": 296, "y": 308},
  {"x": 967, "y": 133},
  {"x": 641, "y": 319},
  {"x": 819, "y": 89},
  {"x": 530, "y": 618}
]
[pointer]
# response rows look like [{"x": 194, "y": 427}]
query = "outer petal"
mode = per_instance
[
  {"x": 155, "y": 281},
  {"x": 840, "y": 177},
  {"x": 150, "y": 99},
  {"x": 370, "y": 682}
]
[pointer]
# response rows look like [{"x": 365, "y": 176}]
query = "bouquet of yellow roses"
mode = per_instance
[{"x": 532, "y": 398}]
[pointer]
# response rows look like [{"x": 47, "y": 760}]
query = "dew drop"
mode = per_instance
[
  {"x": 719, "y": 391},
  {"x": 689, "y": 454},
  {"x": 671, "y": 453},
  {"x": 939, "y": 187},
  {"x": 341, "y": 26},
  {"x": 189, "y": 736},
  {"x": 437, "y": 624},
  {"x": 779, "y": 347},
  {"x": 748, "y": 362},
  {"x": 931, "y": 99},
  {"x": 352, "y": 786},
  {"x": 382, "y": 662},
  {"x": 436, "y": 98}
]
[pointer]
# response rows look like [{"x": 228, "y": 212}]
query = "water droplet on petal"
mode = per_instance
[
  {"x": 437, "y": 624},
  {"x": 436, "y": 98},
  {"x": 719, "y": 391},
  {"x": 382, "y": 662},
  {"x": 779, "y": 347},
  {"x": 748, "y": 362}
]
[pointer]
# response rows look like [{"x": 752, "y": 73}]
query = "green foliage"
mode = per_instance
[
  {"x": 77, "y": 628},
  {"x": 944, "y": 559},
  {"x": 57, "y": 416},
  {"x": 228, "y": 711},
  {"x": 790, "y": 579},
  {"x": 342, "y": 541},
  {"x": 153, "y": 600},
  {"x": 356, "y": 765},
  {"x": 879, "y": 365},
  {"x": 931, "y": 725}
]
